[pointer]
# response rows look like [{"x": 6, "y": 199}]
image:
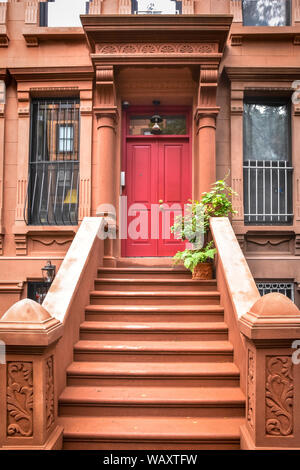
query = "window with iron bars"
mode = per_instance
[
  {"x": 266, "y": 12},
  {"x": 267, "y": 168},
  {"x": 285, "y": 288},
  {"x": 37, "y": 291},
  {"x": 156, "y": 7},
  {"x": 53, "y": 181}
]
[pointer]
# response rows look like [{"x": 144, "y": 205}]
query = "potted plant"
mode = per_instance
[
  {"x": 199, "y": 262},
  {"x": 194, "y": 228}
]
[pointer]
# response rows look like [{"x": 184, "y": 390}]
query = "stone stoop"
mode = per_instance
[{"x": 153, "y": 368}]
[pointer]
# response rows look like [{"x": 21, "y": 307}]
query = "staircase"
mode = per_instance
[{"x": 153, "y": 368}]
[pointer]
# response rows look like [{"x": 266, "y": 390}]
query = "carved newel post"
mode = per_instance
[
  {"x": 273, "y": 385},
  {"x": 28, "y": 398}
]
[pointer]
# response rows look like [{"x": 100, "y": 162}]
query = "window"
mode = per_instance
[
  {"x": 156, "y": 7},
  {"x": 57, "y": 13},
  {"x": 37, "y": 291},
  {"x": 53, "y": 183},
  {"x": 267, "y": 163},
  {"x": 285, "y": 288},
  {"x": 170, "y": 125},
  {"x": 266, "y": 12}
]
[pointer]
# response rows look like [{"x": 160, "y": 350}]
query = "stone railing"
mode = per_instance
[
  {"x": 39, "y": 347},
  {"x": 265, "y": 332},
  {"x": 236, "y": 284}
]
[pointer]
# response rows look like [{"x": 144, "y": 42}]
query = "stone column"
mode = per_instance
[
  {"x": 272, "y": 331},
  {"x": 205, "y": 117},
  {"x": 206, "y": 132},
  {"x": 105, "y": 184},
  {"x": 28, "y": 395}
]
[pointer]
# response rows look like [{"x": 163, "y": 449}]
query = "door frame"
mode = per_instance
[{"x": 126, "y": 137}]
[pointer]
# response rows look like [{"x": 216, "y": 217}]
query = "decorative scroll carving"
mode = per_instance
[
  {"x": 49, "y": 241},
  {"x": 236, "y": 10},
  {"x": 148, "y": 48},
  {"x": 20, "y": 399},
  {"x": 49, "y": 393},
  {"x": 279, "y": 396},
  {"x": 251, "y": 389},
  {"x": 237, "y": 102},
  {"x": 106, "y": 96},
  {"x": 21, "y": 244}
]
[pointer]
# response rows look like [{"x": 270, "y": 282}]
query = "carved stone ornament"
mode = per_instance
[
  {"x": 148, "y": 48},
  {"x": 251, "y": 389},
  {"x": 279, "y": 396},
  {"x": 20, "y": 399},
  {"x": 49, "y": 392}
]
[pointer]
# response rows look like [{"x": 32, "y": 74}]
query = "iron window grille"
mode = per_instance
[
  {"x": 267, "y": 171},
  {"x": 53, "y": 181},
  {"x": 150, "y": 8},
  {"x": 266, "y": 12},
  {"x": 285, "y": 288},
  {"x": 37, "y": 291}
]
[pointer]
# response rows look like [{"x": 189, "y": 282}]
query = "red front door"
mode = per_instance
[{"x": 156, "y": 168}]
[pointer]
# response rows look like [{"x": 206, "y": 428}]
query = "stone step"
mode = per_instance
[
  {"x": 143, "y": 331},
  {"x": 152, "y": 401},
  {"x": 161, "y": 285},
  {"x": 143, "y": 432},
  {"x": 154, "y": 313},
  {"x": 171, "y": 374},
  {"x": 154, "y": 298},
  {"x": 144, "y": 272},
  {"x": 205, "y": 351}
]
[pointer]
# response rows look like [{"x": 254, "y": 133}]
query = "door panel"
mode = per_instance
[
  {"x": 175, "y": 189},
  {"x": 156, "y": 170},
  {"x": 141, "y": 185}
]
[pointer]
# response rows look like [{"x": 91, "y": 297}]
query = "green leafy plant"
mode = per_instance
[
  {"x": 191, "y": 258},
  {"x": 218, "y": 201},
  {"x": 194, "y": 226}
]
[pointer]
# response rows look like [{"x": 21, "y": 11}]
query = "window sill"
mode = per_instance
[
  {"x": 33, "y": 35},
  {"x": 45, "y": 229}
]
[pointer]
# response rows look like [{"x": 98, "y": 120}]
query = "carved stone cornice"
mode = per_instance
[{"x": 137, "y": 29}]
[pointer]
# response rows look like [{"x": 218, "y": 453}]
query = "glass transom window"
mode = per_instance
[
  {"x": 170, "y": 125},
  {"x": 266, "y": 12}
]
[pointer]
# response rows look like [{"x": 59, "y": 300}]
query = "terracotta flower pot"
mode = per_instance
[{"x": 203, "y": 271}]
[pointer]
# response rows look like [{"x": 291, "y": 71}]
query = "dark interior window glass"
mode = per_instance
[{"x": 266, "y": 12}]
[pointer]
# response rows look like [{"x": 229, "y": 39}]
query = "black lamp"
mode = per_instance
[
  {"x": 156, "y": 120},
  {"x": 48, "y": 272}
]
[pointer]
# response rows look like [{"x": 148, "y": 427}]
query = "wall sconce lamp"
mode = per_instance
[{"x": 48, "y": 272}]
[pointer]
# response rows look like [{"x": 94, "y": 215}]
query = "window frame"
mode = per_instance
[{"x": 289, "y": 17}]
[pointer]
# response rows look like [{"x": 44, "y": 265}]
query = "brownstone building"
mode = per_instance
[{"x": 78, "y": 106}]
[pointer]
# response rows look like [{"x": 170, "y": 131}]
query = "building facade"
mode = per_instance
[{"x": 76, "y": 105}]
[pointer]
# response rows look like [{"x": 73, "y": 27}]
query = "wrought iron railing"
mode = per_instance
[
  {"x": 268, "y": 192},
  {"x": 285, "y": 288},
  {"x": 53, "y": 181}
]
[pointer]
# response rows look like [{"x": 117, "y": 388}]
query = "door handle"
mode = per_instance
[{"x": 123, "y": 179}]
